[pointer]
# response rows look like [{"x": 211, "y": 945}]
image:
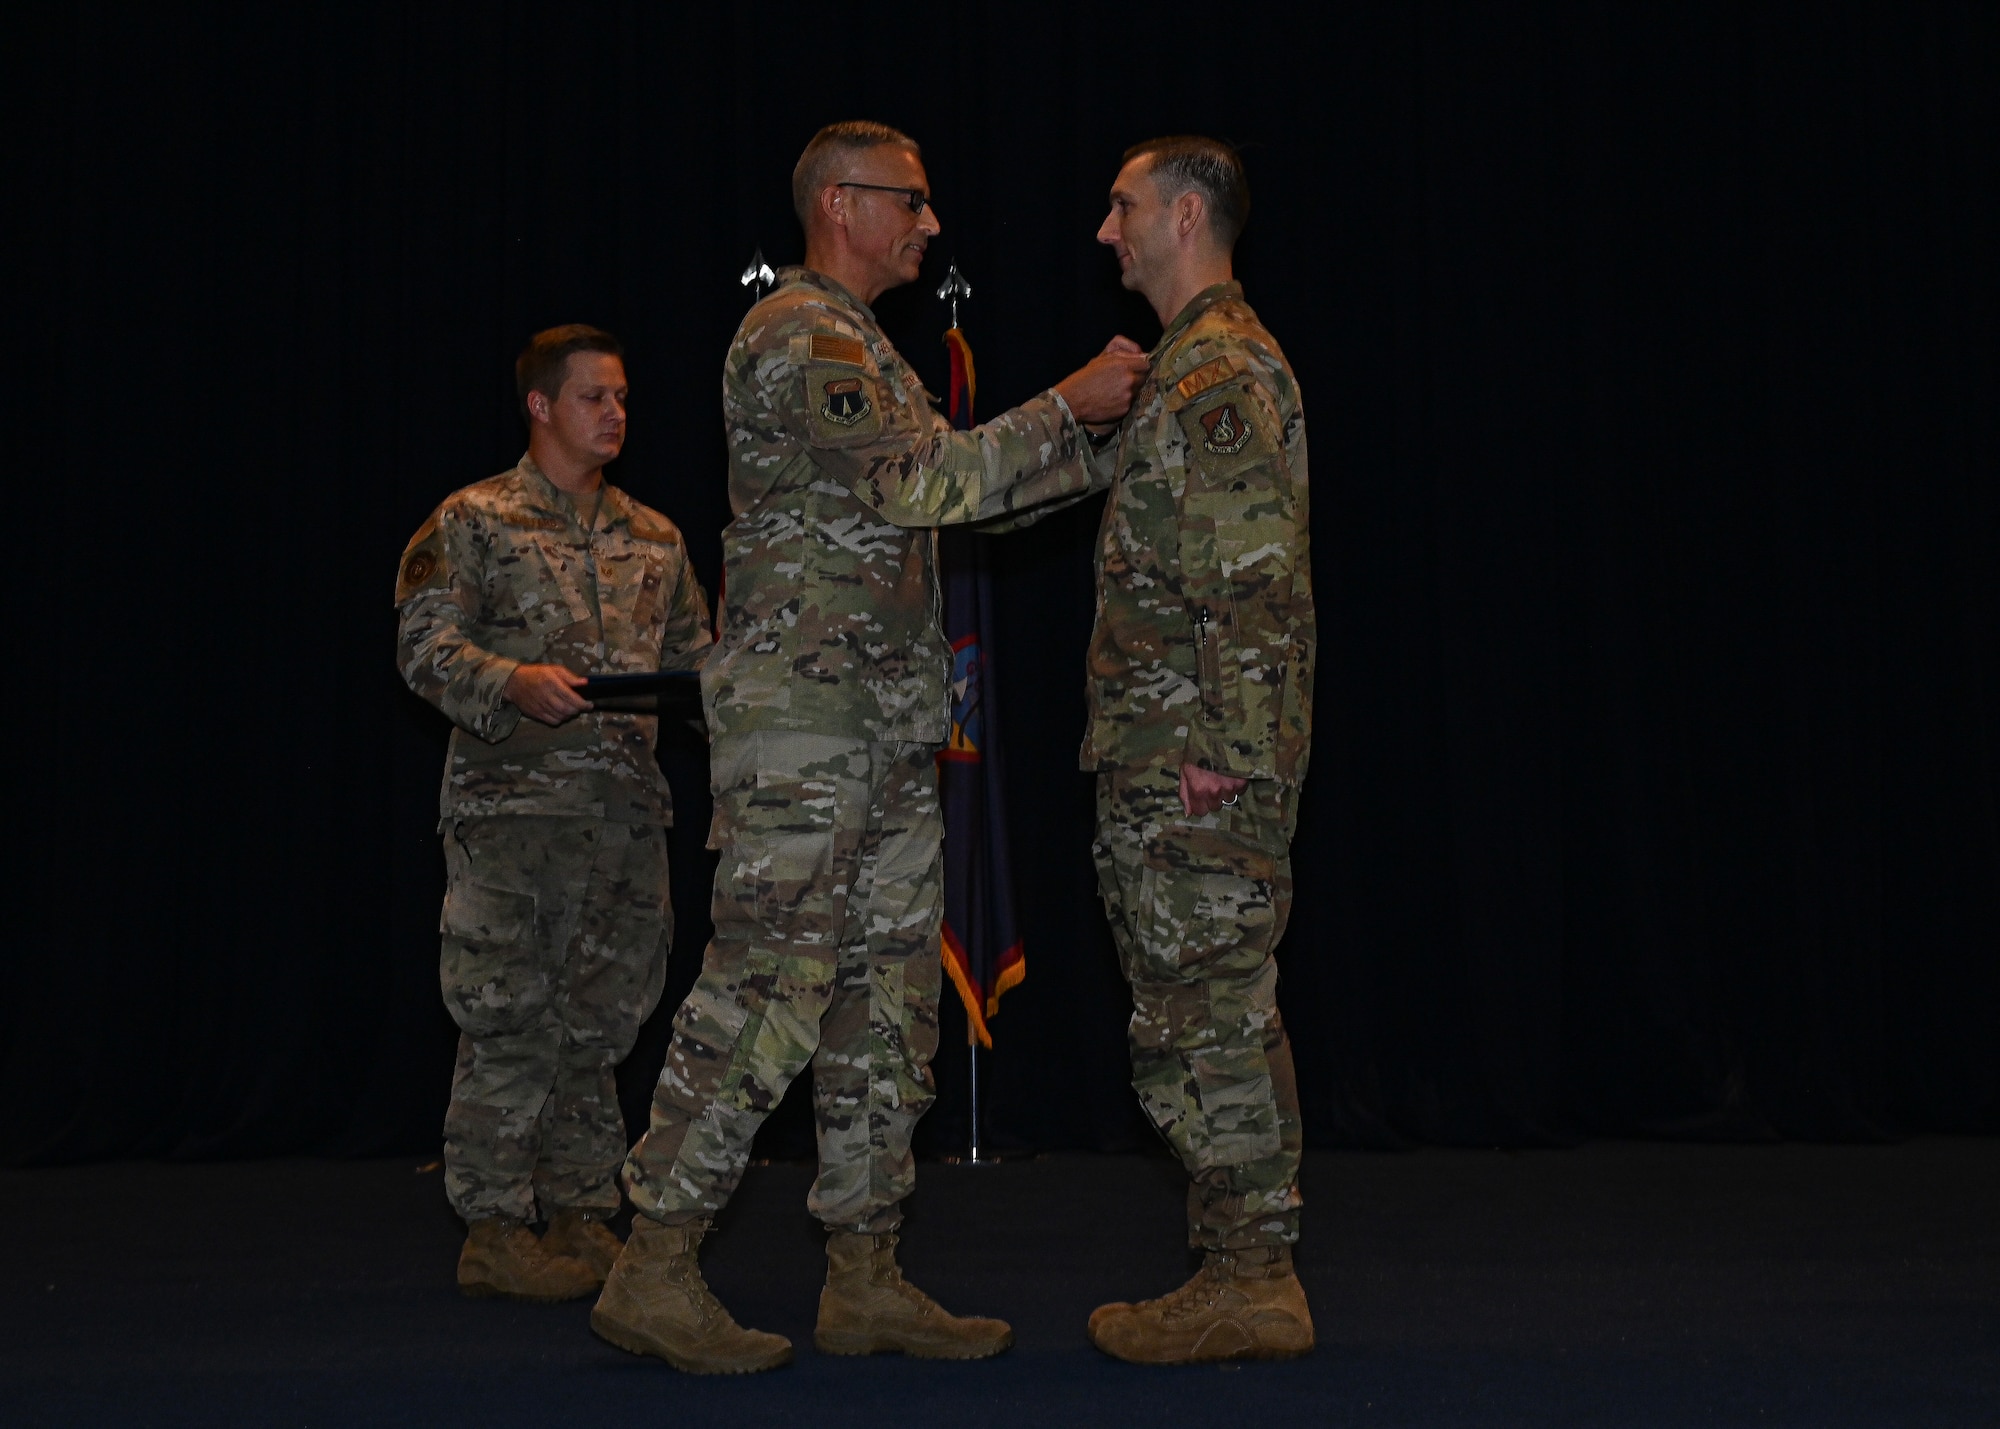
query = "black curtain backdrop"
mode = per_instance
[{"x": 1649, "y": 360}]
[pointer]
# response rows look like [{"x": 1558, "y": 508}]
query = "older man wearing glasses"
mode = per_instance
[{"x": 826, "y": 703}]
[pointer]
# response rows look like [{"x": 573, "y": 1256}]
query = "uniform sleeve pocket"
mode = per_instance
[{"x": 481, "y": 913}]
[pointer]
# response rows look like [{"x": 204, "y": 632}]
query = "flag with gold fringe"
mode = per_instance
[{"x": 982, "y": 944}]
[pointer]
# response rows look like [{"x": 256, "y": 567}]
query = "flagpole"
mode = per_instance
[
  {"x": 972, "y": 1050},
  {"x": 951, "y": 290}
]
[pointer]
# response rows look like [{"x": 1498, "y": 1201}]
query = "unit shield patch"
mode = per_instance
[
  {"x": 422, "y": 567},
  {"x": 846, "y": 401},
  {"x": 1224, "y": 430}
]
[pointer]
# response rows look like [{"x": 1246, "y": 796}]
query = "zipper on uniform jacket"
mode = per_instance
[{"x": 1207, "y": 667}]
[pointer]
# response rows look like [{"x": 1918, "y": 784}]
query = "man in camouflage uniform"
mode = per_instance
[
  {"x": 1199, "y": 685},
  {"x": 556, "y": 915},
  {"x": 827, "y": 704}
]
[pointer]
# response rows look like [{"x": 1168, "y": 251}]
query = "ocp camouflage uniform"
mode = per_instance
[
  {"x": 556, "y": 914},
  {"x": 1202, "y": 654},
  {"x": 826, "y": 703}
]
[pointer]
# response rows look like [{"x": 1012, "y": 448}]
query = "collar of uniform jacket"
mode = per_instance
[
  {"x": 612, "y": 507},
  {"x": 1197, "y": 305},
  {"x": 812, "y": 279}
]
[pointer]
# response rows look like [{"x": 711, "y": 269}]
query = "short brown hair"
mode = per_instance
[
  {"x": 1210, "y": 167},
  {"x": 544, "y": 362},
  {"x": 833, "y": 145}
]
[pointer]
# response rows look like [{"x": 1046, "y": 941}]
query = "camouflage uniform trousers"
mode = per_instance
[
  {"x": 826, "y": 911},
  {"x": 555, "y": 942},
  {"x": 1197, "y": 907}
]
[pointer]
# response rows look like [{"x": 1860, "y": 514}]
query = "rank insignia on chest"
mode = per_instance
[
  {"x": 1224, "y": 432},
  {"x": 846, "y": 401}
]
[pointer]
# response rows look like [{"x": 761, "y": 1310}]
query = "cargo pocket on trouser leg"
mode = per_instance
[
  {"x": 616, "y": 961},
  {"x": 496, "y": 986},
  {"x": 611, "y": 981},
  {"x": 1209, "y": 923},
  {"x": 494, "y": 979}
]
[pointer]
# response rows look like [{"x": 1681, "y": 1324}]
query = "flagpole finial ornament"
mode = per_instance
[
  {"x": 758, "y": 277},
  {"x": 952, "y": 289}
]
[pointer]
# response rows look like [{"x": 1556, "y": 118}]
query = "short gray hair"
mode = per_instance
[
  {"x": 832, "y": 147},
  {"x": 1183, "y": 162}
]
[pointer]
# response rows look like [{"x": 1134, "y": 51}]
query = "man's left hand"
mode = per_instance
[{"x": 1203, "y": 791}]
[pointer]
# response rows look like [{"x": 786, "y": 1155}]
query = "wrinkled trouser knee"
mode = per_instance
[
  {"x": 555, "y": 934},
  {"x": 826, "y": 912},
  {"x": 1197, "y": 907}
]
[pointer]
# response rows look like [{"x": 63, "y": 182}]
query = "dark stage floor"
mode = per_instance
[{"x": 1612, "y": 1285}]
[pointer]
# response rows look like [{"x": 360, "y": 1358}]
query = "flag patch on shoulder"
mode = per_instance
[{"x": 831, "y": 347}]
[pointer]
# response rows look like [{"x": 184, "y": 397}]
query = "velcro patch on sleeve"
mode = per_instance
[
  {"x": 1213, "y": 373},
  {"x": 842, "y": 406},
  {"x": 832, "y": 347},
  {"x": 423, "y": 566},
  {"x": 1227, "y": 432}
]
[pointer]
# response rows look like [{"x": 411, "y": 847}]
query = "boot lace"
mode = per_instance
[
  {"x": 1201, "y": 1295},
  {"x": 887, "y": 1275},
  {"x": 686, "y": 1277},
  {"x": 683, "y": 1273},
  {"x": 891, "y": 1279}
]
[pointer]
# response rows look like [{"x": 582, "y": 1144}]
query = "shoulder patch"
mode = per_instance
[
  {"x": 423, "y": 565},
  {"x": 845, "y": 401},
  {"x": 832, "y": 347},
  {"x": 1212, "y": 373},
  {"x": 843, "y": 406},
  {"x": 1227, "y": 431}
]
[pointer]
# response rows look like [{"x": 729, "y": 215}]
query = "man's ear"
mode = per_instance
[
  {"x": 538, "y": 406},
  {"x": 833, "y": 205},
  {"x": 1190, "y": 211}
]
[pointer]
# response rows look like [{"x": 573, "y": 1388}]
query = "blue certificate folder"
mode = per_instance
[{"x": 683, "y": 683}]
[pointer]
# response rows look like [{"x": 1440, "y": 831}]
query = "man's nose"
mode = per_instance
[
  {"x": 1107, "y": 231},
  {"x": 928, "y": 220}
]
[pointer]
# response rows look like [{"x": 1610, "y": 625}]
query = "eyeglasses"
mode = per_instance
[{"x": 917, "y": 199}]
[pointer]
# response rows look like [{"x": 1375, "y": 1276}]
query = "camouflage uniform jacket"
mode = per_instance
[
  {"x": 1203, "y": 649},
  {"x": 503, "y": 574},
  {"x": 839, "y": 465}
]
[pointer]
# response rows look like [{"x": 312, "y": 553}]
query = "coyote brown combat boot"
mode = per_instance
[
  {"x": 868, "y": 1308},
  {"x": 583, "y": 1236},
  {"x": 1241, "y": 1305},
  {"x": 502, "y": 1258},
  {"x": 656, "y": 1303}
]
